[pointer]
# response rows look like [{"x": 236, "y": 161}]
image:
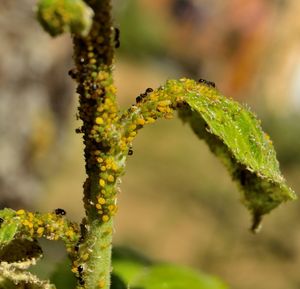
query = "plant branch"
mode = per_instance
[{"x": 104, "y": 157}]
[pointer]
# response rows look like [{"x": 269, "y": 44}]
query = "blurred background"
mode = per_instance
[{"x": 177, "y": 203}]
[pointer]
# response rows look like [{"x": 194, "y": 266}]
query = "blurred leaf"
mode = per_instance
[
  {"x": 140, "y": 35},
  {"x": 21, "y": 253},
  {"x": 59, "y": 16},
  {"x": 128, "y": 263},
  {"x": 117, "y": 282},
  {"x": 62, "y": 276},
  {"x": 166, "y": 276},
  {"x": 131, "y": 267}
]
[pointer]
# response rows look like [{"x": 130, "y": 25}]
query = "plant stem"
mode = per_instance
[{"x": 104, "y": 159}]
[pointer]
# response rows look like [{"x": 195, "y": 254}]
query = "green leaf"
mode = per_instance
[
  {"x": 128, "y": 264},
  {"x": 166, "y": 276},
  {"x": 140, "y": 273},
  {"x": 235, "y": 135},
  {"x": 59, "y": 16},
  {"x": 8, "y": 227},
  {"x": 117, "y": 282}
]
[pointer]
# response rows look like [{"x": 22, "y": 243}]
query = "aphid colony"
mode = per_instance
[{"x": 50, "y": 225}]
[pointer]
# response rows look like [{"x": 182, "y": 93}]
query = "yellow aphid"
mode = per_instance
[
  {"x": 101, "y": 183},
  {"x": 99, "y": 120},
  {"x": 105, "y": 218},
  {"x": 85, "y": 257},
  {"x": 99, "y": 160},
  {"x": 101, "y": 201},
  {"x": 103, "y": 168},
  {"x": 101, "y": 283},
  {"x": 169, "y": 116},
  {"x": 20, "y": 212},
  {"x": 164, "y": 102},
  {"x": 40, "y": 231},
  {"x": 132, "y": 127},
  {"x": 30, "y": 216},
  {"x": 111, "y": 207},
  {"x": 140, "y": 121},
  {"x": 114, "y": 167},
  {"x": 150, "y": 120},
  {"x": 133, "y": 133},
  {"x": 70, "y": 233},
  {"x": 74, "y": 270},
  {"x": 110, "y": 178},
  {"x": 98, "y": 206}
]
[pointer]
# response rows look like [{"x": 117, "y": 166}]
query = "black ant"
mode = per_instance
[
  {"x": 60, "y": 212},
  {"x": 207, "y": 82},
  {"x": 117, "y": 37}
]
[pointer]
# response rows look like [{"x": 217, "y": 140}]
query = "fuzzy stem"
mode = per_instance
[{"x": 103, "y": 156}]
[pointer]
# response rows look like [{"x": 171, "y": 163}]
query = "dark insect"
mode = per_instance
[
  {"x": 1, "y": 221},
  {"x": 60, "y": 212},
  {"x": 207, "y": 82},
  {"x": 76, "y": 248},
  {"x": 243, "y": 177},
  {"x": 149, "y": 89},
  {"x": 80, "y": 269},
  {"x": 130, "y": 152},
  {"x": 117, "y": 37},
  {"x": 81, "y": 281},
  {"x": 94, "y": 86},
  {"x": 73, "y": 73},
  {"x": 78, "y": 130},
  {"x": 139, "y": 99}
]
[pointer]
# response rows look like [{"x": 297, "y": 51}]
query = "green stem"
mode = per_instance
[{"x": 104, "y": 158}]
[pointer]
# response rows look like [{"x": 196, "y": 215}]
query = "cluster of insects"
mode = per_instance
[{"x": 143, "y": 95}]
